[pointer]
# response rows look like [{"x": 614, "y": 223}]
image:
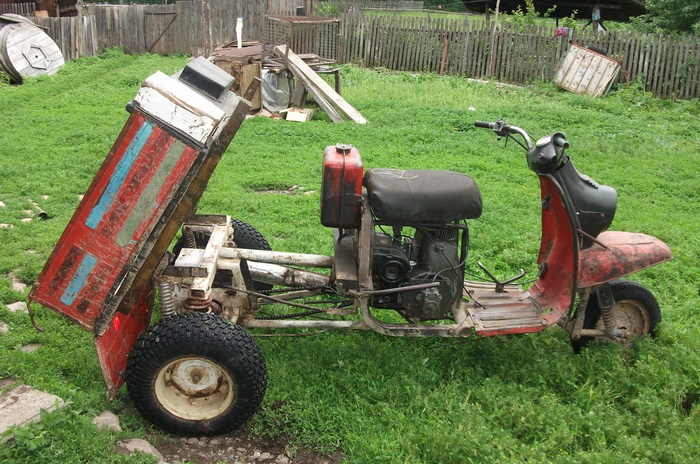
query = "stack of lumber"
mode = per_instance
[{"x": 326, "y": 97}]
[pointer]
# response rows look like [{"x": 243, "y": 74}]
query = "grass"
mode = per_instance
[{"x": 503, "y": 399}]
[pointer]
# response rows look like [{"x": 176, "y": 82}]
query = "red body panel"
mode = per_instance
[
  {"x": 342, "y": 187},
  {"x": 618, "y": 254},
  {"x": 120, "y": 209},
  {"x": 554, "y": 289},
  {"x": 114, "y": 346}
]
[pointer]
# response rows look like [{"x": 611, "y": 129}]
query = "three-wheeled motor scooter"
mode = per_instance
[{"x": 400, "y": 241}]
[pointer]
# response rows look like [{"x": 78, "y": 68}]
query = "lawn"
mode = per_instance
[{"x": 504, "y": 399}]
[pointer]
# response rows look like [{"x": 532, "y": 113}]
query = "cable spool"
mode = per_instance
[{"x": 25, "y": 50}]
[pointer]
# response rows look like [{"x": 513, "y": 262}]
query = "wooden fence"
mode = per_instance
[
  {"x": 289, "y": 7},
  {"x": 24, "y": 9},
  {"x": 391, "y": 5},
  {"x": 75, "y": 36},
  {"x": 668, "y": 66},
  {"x": 176, "y": 28}
]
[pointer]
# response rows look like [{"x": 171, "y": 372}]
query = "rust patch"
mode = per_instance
[{"x": 65, "y": 269}]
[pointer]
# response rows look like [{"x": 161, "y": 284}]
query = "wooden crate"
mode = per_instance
[{"x": 585, "y": 71}]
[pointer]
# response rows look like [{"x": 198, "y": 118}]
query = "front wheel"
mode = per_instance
[
  {"x": 196, "y": 374},
  {"x": 636, "y": 313}
]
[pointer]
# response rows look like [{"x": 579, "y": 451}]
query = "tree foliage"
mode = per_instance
[{"x": 671, "y": 16}]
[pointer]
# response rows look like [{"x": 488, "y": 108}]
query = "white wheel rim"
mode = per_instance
[{"x": 194, "y": 388}]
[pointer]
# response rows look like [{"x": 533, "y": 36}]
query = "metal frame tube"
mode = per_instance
[{"x": 277, "y": 257}]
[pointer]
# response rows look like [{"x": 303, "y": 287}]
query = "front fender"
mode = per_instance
[{"x": 617, "y": 254}]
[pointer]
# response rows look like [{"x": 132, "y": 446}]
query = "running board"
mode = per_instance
[{"x": 512, "y": 311}]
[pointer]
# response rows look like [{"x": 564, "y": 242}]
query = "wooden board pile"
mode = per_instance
[
  {"x": 243, "y": 64},
  {"x": 327, "y": 98}
]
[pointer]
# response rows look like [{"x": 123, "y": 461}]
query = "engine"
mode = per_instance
[{"x": 431, "y": 255}]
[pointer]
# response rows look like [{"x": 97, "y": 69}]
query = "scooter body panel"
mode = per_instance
[
  {"x": 618, "y": 254},
  {"x": 554, "y": 289}
]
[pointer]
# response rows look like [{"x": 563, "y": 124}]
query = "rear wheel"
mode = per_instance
[
  {"x": 196, "y": 374},
  {"x": 636, "y": 313}
]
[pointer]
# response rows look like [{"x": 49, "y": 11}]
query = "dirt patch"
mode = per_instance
[{"x": 238, "y": 448}]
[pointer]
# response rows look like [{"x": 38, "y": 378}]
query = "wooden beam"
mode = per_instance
[{"x": 315, "y": 84}]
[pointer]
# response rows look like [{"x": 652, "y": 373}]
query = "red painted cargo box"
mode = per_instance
[{"x": 99, "y": 274}]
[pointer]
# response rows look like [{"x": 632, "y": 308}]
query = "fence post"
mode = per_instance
[
  {"x": 491, "y": 67},
  {"x": 206, "y": 17}
]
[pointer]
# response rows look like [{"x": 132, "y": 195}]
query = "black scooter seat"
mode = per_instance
[{"x": 422, "y": 197}]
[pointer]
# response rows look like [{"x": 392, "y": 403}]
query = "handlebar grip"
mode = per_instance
[{"x": 483, "y": 124}]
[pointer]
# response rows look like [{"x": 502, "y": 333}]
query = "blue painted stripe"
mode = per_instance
[
  {"x": 79, "y": 279},
  {"x": 120, "y": 172}
]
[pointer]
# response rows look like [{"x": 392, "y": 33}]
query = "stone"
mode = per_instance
[
  {"x": 31, "y": 347},
  {"x": 23, "y": 404},
  {"x": 17, "y": 285},
  {"x": 6, "y": 226},
  {"x": 214, "y": 442},
  {"x": 193, "y": 441},
  {"x": 282, "y": 459},
  {"x": 2, "y": 205},
  {"x": 265, "y": 457},
  {"x": 45, "y": 197},
  {"x": 27, "y": 219},
  {"x": 107, "y": 421},
  {"x": 137, "y": 444},
  {"x": 4, "y": 328},
  {"x": 19, "y": 306}
]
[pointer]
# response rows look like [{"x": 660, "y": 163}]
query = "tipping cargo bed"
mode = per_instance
[{"x": 151, "y": 180}]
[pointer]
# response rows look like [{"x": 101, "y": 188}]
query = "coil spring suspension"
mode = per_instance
[
  {"x": 198, "y": 304},
  {"x": 190, "y": 240},
  {"x": 167, "y": 304},
  {"x": 606, "y": 301}
]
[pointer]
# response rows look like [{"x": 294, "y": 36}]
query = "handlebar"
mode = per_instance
[{"x": 505, "y": 130}]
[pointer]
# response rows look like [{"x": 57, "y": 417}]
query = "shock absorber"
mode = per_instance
[
  {"x": 167, "y": 303},
  {"x": 606, "y": 302}
]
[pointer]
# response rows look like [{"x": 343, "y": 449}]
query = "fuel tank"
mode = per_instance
[{"x": 341, "y": 191}]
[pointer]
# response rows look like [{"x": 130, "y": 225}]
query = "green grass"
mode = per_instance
[{"x": 503, "y": 399}]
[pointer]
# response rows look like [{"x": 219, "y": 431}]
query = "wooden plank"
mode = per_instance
[{"x": 310, "y": 77}]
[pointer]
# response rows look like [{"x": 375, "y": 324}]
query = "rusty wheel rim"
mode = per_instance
[
  {"x": 194, "y": 388},
  {"x": 632, "y": 319}
]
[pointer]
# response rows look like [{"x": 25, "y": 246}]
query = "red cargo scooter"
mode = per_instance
[{"x": 400, "y": 252}]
